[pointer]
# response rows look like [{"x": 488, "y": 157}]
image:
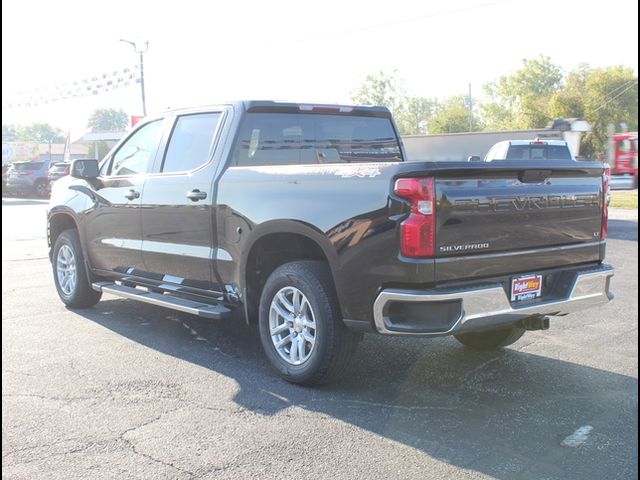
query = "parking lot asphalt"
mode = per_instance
[{"x": 128, "y": 390}]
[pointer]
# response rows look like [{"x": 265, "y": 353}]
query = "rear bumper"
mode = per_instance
[
  {"x": 19, "y": 188},
  {"x": 471, "y": 309},
  {"x": 19, "y": 183}
]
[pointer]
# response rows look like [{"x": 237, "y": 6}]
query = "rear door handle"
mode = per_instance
[
  {"x": 195, "y": 195},
  {"x": 132, "y": 195}
]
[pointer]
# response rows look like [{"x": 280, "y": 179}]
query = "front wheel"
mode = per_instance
[
  {"x": 69, "y": 273},
  {"x": 301, "y": 327},
  {"x": 491, "y": 339}
]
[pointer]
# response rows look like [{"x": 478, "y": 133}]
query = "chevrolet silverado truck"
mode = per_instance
[{"x": 309, "y": 221}]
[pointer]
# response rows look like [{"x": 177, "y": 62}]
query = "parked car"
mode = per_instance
[
  {"x": 28, "y": 178},
  {"x": 56, "y": 172},
  {"x": 306, "y": 220},
  {"x": 5, "y": 174}
]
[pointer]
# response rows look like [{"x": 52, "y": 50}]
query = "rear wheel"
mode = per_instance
[
  {"x": 40, "y": 188},
  {"x": 301, "y": 327},
  {"x": 69, "y": 274},
  {"x": 491, "y": 339}
]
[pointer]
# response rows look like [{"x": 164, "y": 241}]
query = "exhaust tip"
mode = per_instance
[{"x": 535, "y": 323}]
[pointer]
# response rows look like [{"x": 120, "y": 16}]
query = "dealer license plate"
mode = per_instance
[{"x": 526, "y": 288}]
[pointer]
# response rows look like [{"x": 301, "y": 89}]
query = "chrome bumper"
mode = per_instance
[{"x": 489, "y": 305}]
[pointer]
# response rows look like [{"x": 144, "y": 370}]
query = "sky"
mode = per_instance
[{"x": 203, "y": 52}]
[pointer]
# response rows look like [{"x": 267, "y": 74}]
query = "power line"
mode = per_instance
[
  {"x": 607, "y": 102},
  {"x": 407, "y": 20},
  {"x": 619, "y": 87}
]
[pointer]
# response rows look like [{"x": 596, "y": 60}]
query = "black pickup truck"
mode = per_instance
[{"x": 309, "y": 221}]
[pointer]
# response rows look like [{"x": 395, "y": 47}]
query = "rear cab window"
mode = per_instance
[
  {"x": 538, "y": 152},
  {"x": 191, "y": 142},
  {"x": 311, "y": 138}
]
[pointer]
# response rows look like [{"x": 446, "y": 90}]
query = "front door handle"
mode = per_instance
[
  {"x": 132, "y": 195},
  {"x": 195, "y": 195}
]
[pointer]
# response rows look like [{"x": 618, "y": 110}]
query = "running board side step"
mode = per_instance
[{"x": 204, "y": 310}]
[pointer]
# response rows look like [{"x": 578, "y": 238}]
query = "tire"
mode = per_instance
[
  {"x": 74, "y": 288},
  {"x": 491, "y": 339},
  {"x": 333, "y": 344},
  {"x": 40, "y": 189}
]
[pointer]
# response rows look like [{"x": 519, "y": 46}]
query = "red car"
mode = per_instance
[{"x": 57, "y": 171}]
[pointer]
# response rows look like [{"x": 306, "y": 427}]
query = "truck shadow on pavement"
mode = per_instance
[
  {"x": 503, "y": 413},
  {"x": 623, "y": 230}
]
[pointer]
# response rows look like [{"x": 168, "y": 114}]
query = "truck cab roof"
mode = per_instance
[{"x": 270, "y": 106}]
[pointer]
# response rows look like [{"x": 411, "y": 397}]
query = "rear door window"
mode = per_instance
[
  {"x": 27, "y": 166},
  {"x": 191, "y": 142},
  {"x": 298, "y": 139}
]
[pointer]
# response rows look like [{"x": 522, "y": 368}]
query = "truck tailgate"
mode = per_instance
[{"x": 509, "y": 221}]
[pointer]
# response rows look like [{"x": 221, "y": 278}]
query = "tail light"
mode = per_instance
[
  {"x": 417, "y": 232},
  {"x": 606, "y": 199}
]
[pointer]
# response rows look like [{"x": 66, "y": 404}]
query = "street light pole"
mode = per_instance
[
  {"x": 140, "y": 51},
  {"x": 470, "y": 110},
  {"x": 144, "y": 103}
]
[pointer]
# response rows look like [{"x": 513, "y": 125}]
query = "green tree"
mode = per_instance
[
  {"x": 411, "y": 114},
  {"x": 39, "y": 132},
  {"x": 108, "y": 120},
  {"x": 452, "y": 116},
  {"x": 611, "y": 97},
  {"x": 521, "y": 100},
  {"x": 381, "y": 89},
  {"x": 9, "y": 132},
  {"x": 98, "y": 150},
  {"x": 415, "y": 115},
  {"x": 568, "y": 102},
  {"x": 602, "y": 96}
]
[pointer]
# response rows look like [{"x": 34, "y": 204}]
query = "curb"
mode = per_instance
[{"x": 623, "y": 214}]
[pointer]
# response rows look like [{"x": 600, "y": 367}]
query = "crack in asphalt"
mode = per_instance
[
  {"x": 52, "y": 398},
  {"x": 39, "y": 458},
  {"x": 44, "y": 445},
  {"x": 17, "y": 372},
  {"x": 133, "y": 448}
]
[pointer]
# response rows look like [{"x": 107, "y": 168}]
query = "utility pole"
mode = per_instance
[
  {"x": 141, "y": 52},
  {"x": 470, "y": 103}
]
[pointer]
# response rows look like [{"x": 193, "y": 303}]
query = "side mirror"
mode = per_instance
[
  {"x": 474, "y": 158},
  {"x": 85, "y": 168}
]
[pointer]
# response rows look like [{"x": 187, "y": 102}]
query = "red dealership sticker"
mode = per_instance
[{"x": 526, "y": 288}]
